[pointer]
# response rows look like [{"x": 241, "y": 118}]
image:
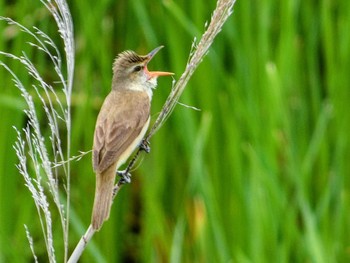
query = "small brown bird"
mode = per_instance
[{"x": 121, "y": 124}]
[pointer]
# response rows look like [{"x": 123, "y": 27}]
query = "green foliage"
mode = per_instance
[{"x": 260, "y": 174}]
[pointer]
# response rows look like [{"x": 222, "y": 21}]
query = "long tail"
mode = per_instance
[{"x": 103, "y": 197}]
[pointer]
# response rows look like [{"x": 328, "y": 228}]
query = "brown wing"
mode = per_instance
[{"x": 119, "y": 123}]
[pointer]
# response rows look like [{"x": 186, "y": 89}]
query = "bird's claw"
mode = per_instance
[
  {"x": 125, "y": 177},
  {"x": 145, "y": 146}
]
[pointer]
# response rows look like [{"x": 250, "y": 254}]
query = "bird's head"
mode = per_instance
[{"x": 130, "y": 71}]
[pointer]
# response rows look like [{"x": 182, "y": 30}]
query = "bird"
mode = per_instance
[{"x": 121, "y": 125}]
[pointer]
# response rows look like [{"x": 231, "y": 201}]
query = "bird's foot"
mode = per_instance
[
  {"x": 125, "y": 177},
  {"x": 145, "y": 146}
]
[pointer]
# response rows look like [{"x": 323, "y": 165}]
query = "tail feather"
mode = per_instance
[{"x": 103, "y": 197}]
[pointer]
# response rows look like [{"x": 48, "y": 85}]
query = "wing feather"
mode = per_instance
[{"x": 122, "y": 117}]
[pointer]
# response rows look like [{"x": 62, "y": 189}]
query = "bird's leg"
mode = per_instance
[
  {"x": 145, "y": 146},
  {"x": 125, "y": 176}
]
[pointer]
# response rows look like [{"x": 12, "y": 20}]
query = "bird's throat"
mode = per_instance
[{"x": 145, "y": 87}]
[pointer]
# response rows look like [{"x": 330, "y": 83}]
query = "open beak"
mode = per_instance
[{"x": 154, "y": 74}]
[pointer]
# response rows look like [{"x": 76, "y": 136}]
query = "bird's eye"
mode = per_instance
[{"x": 137, "y": 68}]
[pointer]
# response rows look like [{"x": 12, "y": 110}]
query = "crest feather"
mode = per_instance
[{"x": 127, "y": 58}]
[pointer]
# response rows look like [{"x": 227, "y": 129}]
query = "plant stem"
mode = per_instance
[{"x": 221, "y": 13}]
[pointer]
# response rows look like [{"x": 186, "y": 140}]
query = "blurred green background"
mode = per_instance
[{"x": 260, "y": 174}]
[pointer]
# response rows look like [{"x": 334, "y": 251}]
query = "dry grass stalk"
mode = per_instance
[
  {"x": 222, "y": 12},
  {"x": 31, "y": 145}
]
